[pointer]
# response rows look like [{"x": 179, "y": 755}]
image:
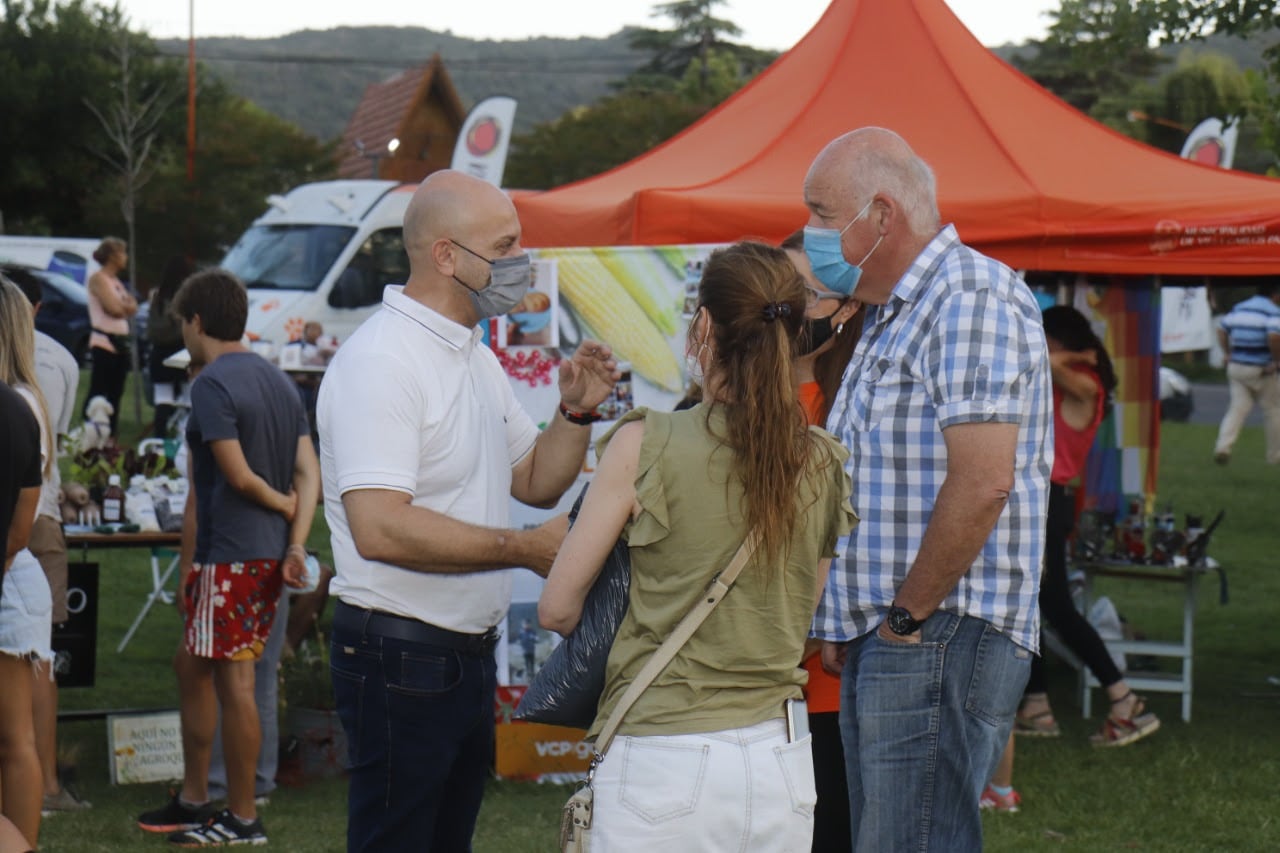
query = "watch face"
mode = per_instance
[{"x": 901, "y": 622}]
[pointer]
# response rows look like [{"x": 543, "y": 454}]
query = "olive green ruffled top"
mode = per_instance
[{"x": 744, "y": 660}]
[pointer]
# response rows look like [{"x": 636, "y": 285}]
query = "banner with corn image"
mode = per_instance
[{"x": 631, "y": 298}]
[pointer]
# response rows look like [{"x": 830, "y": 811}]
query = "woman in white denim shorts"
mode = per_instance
[
  {"x": 26, "y": 606},
  {"x": 703, "y": 760}
]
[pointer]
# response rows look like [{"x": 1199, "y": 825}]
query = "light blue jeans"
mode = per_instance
[{"x": 923, "y": 727}]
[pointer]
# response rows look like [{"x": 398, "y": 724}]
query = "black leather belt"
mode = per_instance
[{"x": 361, "y": 621}]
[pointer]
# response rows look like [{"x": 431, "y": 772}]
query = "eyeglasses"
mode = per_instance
[{"x": 813, "y": 296}]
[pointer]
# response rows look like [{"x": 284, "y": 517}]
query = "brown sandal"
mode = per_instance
[{"x": 1036, "y": 725}]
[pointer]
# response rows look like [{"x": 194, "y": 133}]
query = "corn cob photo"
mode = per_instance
[
  {"x": 603, "y": 304},
  {"x": 644, "y": 274}
]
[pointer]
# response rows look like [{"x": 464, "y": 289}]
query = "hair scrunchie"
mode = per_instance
[{"x": 774, "y": 310}]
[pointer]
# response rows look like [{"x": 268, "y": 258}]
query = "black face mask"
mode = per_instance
[{"x": 816, "y": 333}]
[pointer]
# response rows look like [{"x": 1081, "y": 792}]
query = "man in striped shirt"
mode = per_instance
[
  {"x": 931, "y": 615},
  {"x": 1250, "y": 335}
]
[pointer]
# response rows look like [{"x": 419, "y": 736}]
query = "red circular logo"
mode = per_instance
[
  {"x": 1210, "y": 152},
  {"x": 483, "y": 136}
]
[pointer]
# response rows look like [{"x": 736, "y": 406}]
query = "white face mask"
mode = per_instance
[
  {"x": 693, "y": 361},
  {"x": 693, "y": 365}
]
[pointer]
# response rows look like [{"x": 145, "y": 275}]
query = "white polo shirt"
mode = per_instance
[{"x": 413, "y": 402}]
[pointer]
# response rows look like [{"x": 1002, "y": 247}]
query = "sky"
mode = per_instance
[{"x": 765, "y": 23}]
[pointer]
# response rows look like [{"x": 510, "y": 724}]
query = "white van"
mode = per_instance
[{"x": 322, "y": 252}]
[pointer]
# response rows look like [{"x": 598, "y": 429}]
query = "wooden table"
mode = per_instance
[
  {"x": 1181, "y": 649},
  {"x": 160, "y": 545}
]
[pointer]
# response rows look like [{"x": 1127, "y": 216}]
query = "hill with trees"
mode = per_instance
[{"x": 315, "y": 78}]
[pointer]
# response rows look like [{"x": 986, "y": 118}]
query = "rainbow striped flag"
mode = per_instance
[{"x": 1124, "y": 460}]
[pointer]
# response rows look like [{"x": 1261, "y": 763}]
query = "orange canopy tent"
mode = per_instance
[{"x": 1024, "y": 177}]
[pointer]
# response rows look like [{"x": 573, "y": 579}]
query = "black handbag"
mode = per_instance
[{"x": 566, "y": 690}]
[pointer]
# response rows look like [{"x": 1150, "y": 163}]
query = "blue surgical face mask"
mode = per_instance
[
  {"x": 509, "y": 281},
  {"x": 826, "y": 256}
]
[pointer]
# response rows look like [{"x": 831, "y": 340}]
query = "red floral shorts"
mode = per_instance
[{"x": 230, "y": 608}]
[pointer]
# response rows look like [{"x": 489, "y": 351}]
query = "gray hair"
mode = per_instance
[
  {"x": 895, "y": 171},
  {"x": 910, "y": 182}
]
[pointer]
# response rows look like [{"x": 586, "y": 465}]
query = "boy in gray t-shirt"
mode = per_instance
[{"x": 257, "y": 481}]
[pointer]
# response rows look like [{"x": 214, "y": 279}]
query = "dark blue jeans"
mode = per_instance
[
  {"x": 419, "y": 724},
  {"x": 923, "y": 727}
]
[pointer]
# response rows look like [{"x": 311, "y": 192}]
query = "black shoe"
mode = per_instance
[
  {"x": 222, "y": 830},
  {"x": 176, "y": 815}
]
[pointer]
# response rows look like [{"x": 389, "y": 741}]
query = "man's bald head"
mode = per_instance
[
  {"x": 448, "y": 205},
  {"x": 874, "y": 160},
  {"x": 454, "y": 227}
]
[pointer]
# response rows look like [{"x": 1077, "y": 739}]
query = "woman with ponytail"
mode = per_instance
[
  {"x": 703, "y": 760},
  {"x": 832, "y": 326}
]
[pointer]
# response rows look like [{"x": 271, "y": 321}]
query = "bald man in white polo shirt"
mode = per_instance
[{"x": 422, "y": 445}]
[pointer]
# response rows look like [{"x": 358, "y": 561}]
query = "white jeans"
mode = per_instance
[
  {"x": 1248, "y": 385},
  {"x": 736, "y": 790}
]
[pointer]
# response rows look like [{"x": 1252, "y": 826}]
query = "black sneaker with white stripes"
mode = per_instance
[
  {"x": 222, "y": 830},
  {"x": 175, "y": 816}
]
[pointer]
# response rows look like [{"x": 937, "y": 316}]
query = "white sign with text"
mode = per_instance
[{"x": 145, "y": 747}]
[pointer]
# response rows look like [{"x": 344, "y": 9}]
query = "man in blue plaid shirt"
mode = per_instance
[{"x": 931, "y": 615}]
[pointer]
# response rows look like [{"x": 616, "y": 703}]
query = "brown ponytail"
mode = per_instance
[{"x": 756, "y": 300}]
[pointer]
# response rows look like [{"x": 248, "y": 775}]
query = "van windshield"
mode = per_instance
[{"x": 287, "y": 257}]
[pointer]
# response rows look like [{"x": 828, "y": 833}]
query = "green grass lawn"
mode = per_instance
[{"x": 1209, "y": 785}]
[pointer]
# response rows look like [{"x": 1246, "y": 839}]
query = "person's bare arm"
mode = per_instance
[
  {"x": 387, "y": 527},
  {"x": 980, "y": 459},
  {"x": 1273, "y": 341},
  {"x": 547, "y": 471},
  {"x": 306, "y": 490},
  {"x": 229, "y": 455},
  {"x": 187, "y": 548},
  {"x": 116, "y": 302},
  {"x": 1075, "y": 384},
  {"x": 609, "y": 502},
  {"x": 1224, "y": 343},
  {"x": 550, "y": 468},
  {"x": 24, "y": 515}
]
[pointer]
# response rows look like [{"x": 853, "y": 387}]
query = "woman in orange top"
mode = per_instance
[{"x": 833, "y": 324}]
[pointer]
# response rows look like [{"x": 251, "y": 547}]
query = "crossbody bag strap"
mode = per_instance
[{"x": 667, "y": 651}]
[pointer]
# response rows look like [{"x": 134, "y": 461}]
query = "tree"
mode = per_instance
[
  {"x": 594, "y": 139},
  {"x": 1185, "y": 20},
  {"x": 61, "y": 64},
  {"x": 1198, "y": 88},
  {"x": 51, "y": 58},
  {"x": 243, "y": 155},
  {"x": 130, "y": 122},
  {"x": 695, "y": 37},
  {"x": 692, "y": 70},
  {"x": 1096, "y": 55}
]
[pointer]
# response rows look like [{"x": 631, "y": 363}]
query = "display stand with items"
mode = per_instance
[
  {"x": 1158, "y": 552},
  {"x": 98, "y": 511}
]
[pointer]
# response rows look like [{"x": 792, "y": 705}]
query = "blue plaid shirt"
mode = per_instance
[{"x": 959, "y": 341}]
